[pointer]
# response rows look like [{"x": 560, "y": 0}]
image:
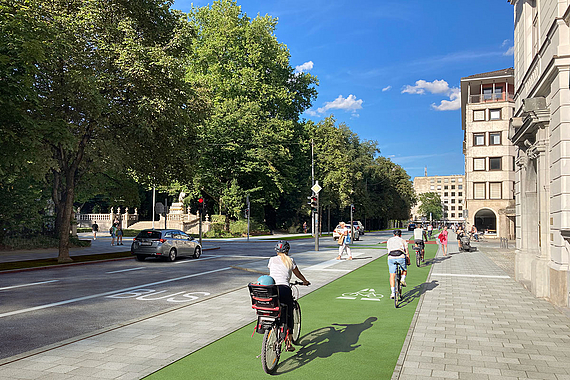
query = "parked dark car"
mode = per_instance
[{"x": 167, "y": 244}]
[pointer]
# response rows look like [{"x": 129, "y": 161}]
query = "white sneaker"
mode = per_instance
[{"x": 392, "y": 296}]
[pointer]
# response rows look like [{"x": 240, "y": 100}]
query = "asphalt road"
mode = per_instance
[{"x": 43, "y": 307}]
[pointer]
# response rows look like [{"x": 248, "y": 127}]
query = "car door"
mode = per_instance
[{"x": 186, "y": 240}]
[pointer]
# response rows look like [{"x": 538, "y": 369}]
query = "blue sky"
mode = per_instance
[{"x": 391, "y": 70}]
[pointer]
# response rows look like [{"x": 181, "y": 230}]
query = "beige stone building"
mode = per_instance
[
  {"x": 540, "y": 129},
  {"x": 486, "y": 107},
  {"x": 451, "y": 191}
]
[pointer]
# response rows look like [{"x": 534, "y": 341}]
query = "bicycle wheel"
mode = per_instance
[
  {"x": 269, "y": 355},
  {"x": 397, "y": 288},
  {"x": 296, "y": 323}
]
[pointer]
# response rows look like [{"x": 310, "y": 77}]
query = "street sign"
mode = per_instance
[
  {"x": 159, "y": 207},
  {"x": 316, "y": 188}
]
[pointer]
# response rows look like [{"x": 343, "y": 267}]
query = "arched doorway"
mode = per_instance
[{"x": 486, "y": 220}]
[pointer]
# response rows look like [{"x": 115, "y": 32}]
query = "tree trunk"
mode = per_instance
[{"x": 66, "y": 212}]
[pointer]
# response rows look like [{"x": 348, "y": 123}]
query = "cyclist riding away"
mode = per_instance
[
  {"x": 419, "y": 237},
  {"x": 397, "y": 252},
  {"x": 280, "y": 268}
]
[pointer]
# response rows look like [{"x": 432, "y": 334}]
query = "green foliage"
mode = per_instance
[{"x": 430, "y": 203}]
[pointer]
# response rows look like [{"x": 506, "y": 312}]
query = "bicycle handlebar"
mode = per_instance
[{"x": 298, "y": 283}]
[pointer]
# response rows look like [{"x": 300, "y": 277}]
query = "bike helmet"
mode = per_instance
[
  {"x": 266, "y": 280},
  {"x": 397, "y": 232},
  {"x": 282, "y": 246}
]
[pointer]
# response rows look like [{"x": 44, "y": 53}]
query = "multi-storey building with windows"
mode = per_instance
[
  {"x": 540, "y": 129},
  {"x": 451, "y": 191},
  {"x": 486, "y": 106}
]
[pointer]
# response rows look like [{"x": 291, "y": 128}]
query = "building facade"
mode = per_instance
[
  {"x": 451, "y": 191},
  {"x": 540, "y": 129},
  {"x": 486, "y": 107}
]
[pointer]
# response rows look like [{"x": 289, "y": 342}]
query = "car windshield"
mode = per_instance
[{"x": 149, "y": 234}]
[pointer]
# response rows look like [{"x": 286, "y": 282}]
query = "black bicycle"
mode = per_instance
[
  {"x": 398, "y": 284},
  {"x": 272, "y": 322},
  {"x": 420, "y": 251}
]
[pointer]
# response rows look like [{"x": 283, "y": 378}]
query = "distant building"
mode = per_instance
[
  {"x": 451, "y": 191},
  {"x": 486, "y": 106},
  {"x": 540, "y": 129}
]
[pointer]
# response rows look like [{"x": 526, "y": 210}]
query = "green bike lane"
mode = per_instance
[{"x": 350, "y": 327}]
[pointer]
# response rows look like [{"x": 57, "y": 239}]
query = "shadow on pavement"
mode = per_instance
[
  {"x": 326, "y": 341},
  {"x": 416, "y": 292}
]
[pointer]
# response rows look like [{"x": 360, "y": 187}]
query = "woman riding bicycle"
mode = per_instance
[
  {"x": 280, "y": 268},
  {"x": 397, "y": 252}
]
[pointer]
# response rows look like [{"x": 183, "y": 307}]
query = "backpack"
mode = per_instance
[{"x": 111, "y": 230}]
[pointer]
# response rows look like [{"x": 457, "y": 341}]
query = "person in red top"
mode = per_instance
[{"x": 443, "y": 239}]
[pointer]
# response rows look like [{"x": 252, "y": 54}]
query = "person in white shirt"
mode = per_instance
[
  {"x": 419, "y": 235},
  {"x": 280, "y": 268},
  {"x": 397, "y": 252},
  {"x": 344, "y": 232}
]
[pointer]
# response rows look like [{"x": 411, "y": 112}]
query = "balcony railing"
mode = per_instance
[{"x": 485, "y": 98}]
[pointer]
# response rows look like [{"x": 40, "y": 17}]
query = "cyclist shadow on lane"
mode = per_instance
[
  {"x": 326, "y": 341},
  {"x": 416, "y": 292}
]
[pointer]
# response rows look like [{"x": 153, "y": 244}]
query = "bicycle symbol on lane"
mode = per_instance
[{"x": 364, "y": 294}]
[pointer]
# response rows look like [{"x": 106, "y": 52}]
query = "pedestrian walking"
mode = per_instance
[
  {"x": 95, "y": 229},
  {"x": 443, "y": 239},
  {"x": 344, "y": 241},
  {"x": 430, "y": 230},
  {"x": 305, "y": 227},
  {"x": 120, "y": 235},
  {"x": 113, "y": 232}
]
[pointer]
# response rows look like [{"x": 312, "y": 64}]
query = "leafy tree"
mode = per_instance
[
  {"x": 430, "y": 204},
  {"x": 109, "y": 90},
  {"x": 252, "y": 136}
]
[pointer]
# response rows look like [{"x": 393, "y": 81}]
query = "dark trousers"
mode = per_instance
[{"x": 286, "y": 297}]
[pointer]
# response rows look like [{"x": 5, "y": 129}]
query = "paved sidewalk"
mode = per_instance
[
  {"x": 477, "y": 322},
  {"x": 142, "y": 347}
]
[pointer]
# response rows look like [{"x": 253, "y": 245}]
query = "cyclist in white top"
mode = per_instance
[
  {"x": 397, "y": 252},
  {"x": 280, "y": 268}
]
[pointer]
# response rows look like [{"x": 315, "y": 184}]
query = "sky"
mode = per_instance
[{"x": 391, "y": 70}]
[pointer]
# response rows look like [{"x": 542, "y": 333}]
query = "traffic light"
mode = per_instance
[
  {"x": 314, "y": 203},
  {"x": 201, "y": 204},
  {"x": 352, "y": 208}
]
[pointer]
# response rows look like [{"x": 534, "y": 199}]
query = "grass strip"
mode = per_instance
[{"x": 342, "y": 338}]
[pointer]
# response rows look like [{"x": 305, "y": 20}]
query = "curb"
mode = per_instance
[{"x": 80, "y": 263}]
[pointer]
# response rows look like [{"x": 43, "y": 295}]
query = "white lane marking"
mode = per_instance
[
  {"x": 327, "y": 270},
  {"x": 107, "y": 293},
  {"x": 33, "y": 283},
  {"x": 328, "y": 263},
  {"x": 468, "y": 275},
  {"x": 126, "y": 270}
]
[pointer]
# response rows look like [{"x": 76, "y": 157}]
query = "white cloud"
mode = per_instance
[
  {"x": 437, "y": 87},
  {"x": 505, "y": 42},
  {"x": 347, "y": 104},
  {"x": 454, "y": 102},
  {"x": 386, "y": 88},
  {"x": 304, "y": 67},
  {"x": 510, "y": 51}
]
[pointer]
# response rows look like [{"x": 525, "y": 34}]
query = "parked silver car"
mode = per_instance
[{"x": 168, "y": 244}]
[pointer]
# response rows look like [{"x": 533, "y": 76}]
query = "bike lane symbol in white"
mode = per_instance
[{"x": 364, "y": 294}]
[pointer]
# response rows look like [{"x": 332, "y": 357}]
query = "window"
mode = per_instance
[
  {"x": 479, "y": 190},
  {"x": 460, "y": 215},
  {"x": 432, "y": 180},
  {"x": 445, "y": 187},
  {"x": 445, "y": 194},
  {"x": 453, "y": 193},
  {"x": 439, "y": 180},
  {"x": 439, "y": 187},
  {"x": 495, "y": 163},
  {"x": 460, "y": 194},
  {"x": 459, "y": 187},
  {"x": 460, "y": 180},
  {"x": 495, "y": 190},
  {"x": 478, "y": 139},
  {"x": 453, "y": 215},
  {"x": 452, "y": 208},
  {"x": 495, "y": 138},
  {"x": 478, "y": 115},
  {"x": 453, "y": 180},
  {"x": 446, "y": 180},
  {"x": 452, "y": 187},
  {"x": 432, "y": 187},
  {"x": 460, "y": 208},
  {"x": 495, "y": 114},
  {"x": 479, "y": 164},
  {"x": 487, "y": 93},
  {"x": 452, "y": 200}
]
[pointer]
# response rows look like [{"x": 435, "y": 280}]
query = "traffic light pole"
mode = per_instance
[
  {"x": 351, "y": 222},
  {"x": 316, "y": 223}
]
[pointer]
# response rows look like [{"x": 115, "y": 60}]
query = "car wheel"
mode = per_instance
[
  {"x": 172, "y": 255},
  {"x": 197, "y": 252},
  {"x": 141, "y": 257}
]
